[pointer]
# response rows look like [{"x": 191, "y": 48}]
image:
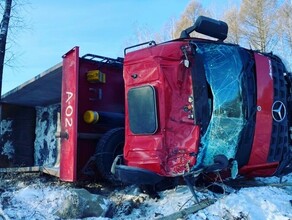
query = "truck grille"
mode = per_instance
[{"x": 279, "y": 138}]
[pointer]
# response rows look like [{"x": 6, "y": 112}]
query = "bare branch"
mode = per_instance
[
  {"x": 258, "y": 27},
  {"x": 193, "y": 10}
]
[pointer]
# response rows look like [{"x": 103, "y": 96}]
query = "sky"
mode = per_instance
[
  {"x": 96, "y": 26},
  {"x": 99, "y": 27}
]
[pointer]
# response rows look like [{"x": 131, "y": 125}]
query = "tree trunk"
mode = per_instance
[{"x": 3, "y": 36}]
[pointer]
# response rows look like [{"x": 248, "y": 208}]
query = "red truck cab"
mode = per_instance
[{"x": 193, "y": 105}]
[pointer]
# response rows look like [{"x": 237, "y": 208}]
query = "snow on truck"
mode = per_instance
[{"x": 181, "y": 108}]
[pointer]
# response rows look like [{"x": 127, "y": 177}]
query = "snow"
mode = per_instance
[
  {"x": 34, "y": 202},
  {"x": 261, "y": 203},
  {"x": 40, "y": 198},
  {"x": 8, "y": 150},
  {"x": 5, "y": 126},
  {"x": 46, "y": 145},
  {"x": 5, "y": 130}
]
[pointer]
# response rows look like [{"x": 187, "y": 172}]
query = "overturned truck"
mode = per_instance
[
  {"x": 197, "y": 106},
  {"x": 181, "y": 108}
]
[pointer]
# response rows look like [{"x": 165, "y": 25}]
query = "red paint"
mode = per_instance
[
  {"x": 100, "y": 97},
  {"x": 266, "y": 169},
  {"x": 69, "y": 114},
  {"x": 171, "y": 150},
  {"x": 168, "y": 151},
  {"x": 78, "y": 96},
  {"x": 261, "y": 144}
]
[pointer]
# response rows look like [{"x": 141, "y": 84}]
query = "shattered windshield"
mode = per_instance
[{"x": 223, "y": 69}]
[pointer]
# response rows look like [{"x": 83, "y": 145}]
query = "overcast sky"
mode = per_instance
[{"x": 97, "y": 26}]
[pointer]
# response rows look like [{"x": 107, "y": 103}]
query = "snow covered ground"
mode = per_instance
[{"x": 36, "y": 196}]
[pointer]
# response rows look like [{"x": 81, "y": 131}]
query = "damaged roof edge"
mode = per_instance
[{"x": 42, "y": 90}]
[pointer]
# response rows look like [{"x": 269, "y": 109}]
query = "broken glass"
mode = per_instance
[{"x": 223, "y": 69}]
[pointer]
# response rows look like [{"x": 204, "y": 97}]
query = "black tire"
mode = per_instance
[{"x": 109, "y": 146}]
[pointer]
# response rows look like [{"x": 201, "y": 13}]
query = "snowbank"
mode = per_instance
[
  {"x": 46, "y": 200},
  {"x": 259, "y": 203}
]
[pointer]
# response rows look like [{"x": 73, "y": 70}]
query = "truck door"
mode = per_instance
[{"x": 69, "y": 103}]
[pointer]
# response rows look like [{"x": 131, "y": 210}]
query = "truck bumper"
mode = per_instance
[{"x": 134, "y": 175}]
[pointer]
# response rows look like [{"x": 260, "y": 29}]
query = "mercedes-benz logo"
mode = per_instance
[{"x": 278, "y": 111}]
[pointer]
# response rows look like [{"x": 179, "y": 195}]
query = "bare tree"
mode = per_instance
[
  {"x": 259, "y": 23},
  {"x": 172, "y": 28},
  {"x": 144, "y": 34},
  {"x": 3, "y": 36},
  {"x": 168, "y": 31},
  {"x": 189, "y": 16},
  {"x": 285, "y": 23},
  {"x": 231, "y": 17}
]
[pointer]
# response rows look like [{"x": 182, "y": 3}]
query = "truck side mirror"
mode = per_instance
[{"x": 207, "y": 26}]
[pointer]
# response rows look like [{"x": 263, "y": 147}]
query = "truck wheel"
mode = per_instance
[{"x": 109, "y": 146}]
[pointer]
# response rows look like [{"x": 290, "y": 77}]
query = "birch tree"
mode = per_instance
[{"x": 3, "y": 36}]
